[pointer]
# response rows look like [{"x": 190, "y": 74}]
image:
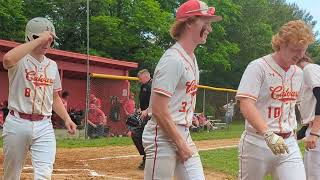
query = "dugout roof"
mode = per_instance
[{"x": 69, "y": 60}]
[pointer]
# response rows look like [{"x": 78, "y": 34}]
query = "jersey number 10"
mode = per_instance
[{"x": 274, "y": 111}]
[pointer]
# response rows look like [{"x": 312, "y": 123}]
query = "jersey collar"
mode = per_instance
[
  {"x": 276, "y": 67},
  {"x": 36, "y": 62}
]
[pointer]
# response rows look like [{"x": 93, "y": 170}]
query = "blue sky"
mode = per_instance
[{"x": 311, "y": 6}]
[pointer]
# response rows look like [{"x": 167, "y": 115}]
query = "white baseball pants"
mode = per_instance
[
  {"x": 20, "y": 136},
  {"x": 256, "y": 160},
  {"x": 162, "y": 162}
]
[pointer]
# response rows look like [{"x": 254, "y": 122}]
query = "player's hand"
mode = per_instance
[
  {"x": 184, "y": 153},
  {"x": 311, "y": 142},
  {"x": 46, "y": 38},
  {"x": 144, "y": 114},
  {"x": 276, "y": 143},
  {"x": 71, "y": 126}
]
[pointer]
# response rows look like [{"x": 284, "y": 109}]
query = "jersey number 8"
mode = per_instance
[{"x": 27, "y": 92}]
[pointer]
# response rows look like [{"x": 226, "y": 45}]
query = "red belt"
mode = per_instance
[
  {"x": 30, "y": 117},
  {"x": 284, "y": 135}
]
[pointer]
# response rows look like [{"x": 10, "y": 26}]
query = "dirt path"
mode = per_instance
[{"x": 117, "y": 162}]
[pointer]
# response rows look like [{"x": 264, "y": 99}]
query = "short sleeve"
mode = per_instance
[
  {"x": 14, "y": 69},
  {"x": 251, "y": 82},
  {"x": 167, "y": 75},
  {"x": 57, "y": 82},
  {"x": 312, "y": 76}
]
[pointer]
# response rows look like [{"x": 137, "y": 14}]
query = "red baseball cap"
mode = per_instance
[{"x": 196, "y": 8}]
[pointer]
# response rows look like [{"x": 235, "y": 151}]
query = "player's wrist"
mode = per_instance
[
  {"x": 68, "y": 119},
  {"x": 267, "y": 133},
  {"x": 181, "y": 145}
]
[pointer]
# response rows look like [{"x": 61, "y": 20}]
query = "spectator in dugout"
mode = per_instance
[
  {"x": 129, "y": 108},
  {"x": 129, "y": 105},
  {"x": 195, "y": 123},
  {"x": 96, "y": 121},
  {"x": 203, "y": 122},
  {"x": 94, "y": 100}
]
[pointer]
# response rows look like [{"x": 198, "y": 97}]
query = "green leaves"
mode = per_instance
[
  {"x": 138, "y": 30},
  {"x": 12, "y": 20}
]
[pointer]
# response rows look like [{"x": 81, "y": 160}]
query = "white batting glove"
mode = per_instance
[{"x": 275, "y": 143}]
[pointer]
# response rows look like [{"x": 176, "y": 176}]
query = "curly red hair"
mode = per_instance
[{"x": 296, "y": 32}]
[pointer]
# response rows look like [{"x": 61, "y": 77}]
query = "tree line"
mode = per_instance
[{"x": 138, "y": 30}]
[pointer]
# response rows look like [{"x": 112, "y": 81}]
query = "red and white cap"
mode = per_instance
[{"x": 196, "y": 8}]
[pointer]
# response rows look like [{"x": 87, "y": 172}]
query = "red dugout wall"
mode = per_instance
[{"x": 72, "y": 68}]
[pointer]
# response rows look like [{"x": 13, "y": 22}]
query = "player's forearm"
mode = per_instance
[
  {"x": 168, "y": 126},
  {"x": 253, "y": 116},
  {"x": 59, "y": 108},
  {"x": 16, "y": 54},
  {"x": 161, "y": 113},
  {"x": 316, "y": 125}
]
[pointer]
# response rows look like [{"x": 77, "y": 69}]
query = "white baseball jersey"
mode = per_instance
[
  {"x": 229, "y": 108},
  {"x": 177, "y": 76},
  {"x": 31, "y": 85},
  {"x": 311, "y": 79},
  {"x": 274, "y": 90}
]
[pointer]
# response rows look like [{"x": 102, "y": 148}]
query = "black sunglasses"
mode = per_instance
[{"x": 36, "y": 37}]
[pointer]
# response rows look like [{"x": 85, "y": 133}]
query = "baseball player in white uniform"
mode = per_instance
[
  {"x": 169, "y": 148},
  {"x": 229, "y": 108},
  {"x": 34, "y": 84},
  {"x": 310, "y": 114},
  {"x": 268, "y": 92}
]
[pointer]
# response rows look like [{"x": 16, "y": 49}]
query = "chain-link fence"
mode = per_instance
[
  {"x": 106, "y": 99},
  {"x": 216, "y": 103}
]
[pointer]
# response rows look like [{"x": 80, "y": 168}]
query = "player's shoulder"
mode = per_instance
[
  {"x": 311, "y": 71},
  {"x": 311, "y": 67},
  {"x": 171, "y": 56},
  {"x": 258, "y": 63},
  {"x": 52, "y": 62}
]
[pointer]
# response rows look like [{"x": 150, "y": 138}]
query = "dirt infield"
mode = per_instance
[{"x": 111, "y": 162}]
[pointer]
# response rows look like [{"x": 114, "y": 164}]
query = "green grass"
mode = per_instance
[
  {"x": 67, "y": 141},
  {"x": 101, "y": 142},
  {"x": 235, "y": 131},
  {"x": 223, "y": 160}
]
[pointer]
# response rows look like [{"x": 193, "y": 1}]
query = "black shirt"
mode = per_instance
[
  {"x": 144, "y": 96},
  {"x": 5, "y": 111}
]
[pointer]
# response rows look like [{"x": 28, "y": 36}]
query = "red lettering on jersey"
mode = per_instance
[
  {"x": 38, "y": 80},
  {"x": 191, "y": 87},
  {"x": 284, "y": 95}
]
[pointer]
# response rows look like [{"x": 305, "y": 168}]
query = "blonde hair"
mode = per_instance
[
  {"x": 178, "y": 27},
  {"x": 143, "y": 71},
  {"x": 296, "y": 32}
]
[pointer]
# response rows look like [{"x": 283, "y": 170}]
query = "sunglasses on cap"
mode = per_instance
[
  {"x": 36, "y": 37},
  {"x": 209, "y": 11}
]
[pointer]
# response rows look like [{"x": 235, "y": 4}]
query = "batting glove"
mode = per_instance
[{"x": 276, "y": 143}]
